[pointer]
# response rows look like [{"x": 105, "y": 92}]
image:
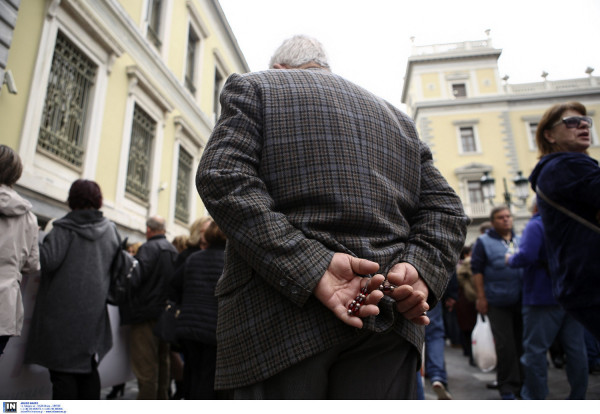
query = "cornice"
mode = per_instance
[{"x": 505, "y": 99}]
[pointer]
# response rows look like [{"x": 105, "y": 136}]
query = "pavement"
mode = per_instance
[{"x": 465, "y": 382}]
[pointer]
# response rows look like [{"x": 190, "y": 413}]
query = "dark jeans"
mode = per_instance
[
  {"x": 369, "y": 367},
  {"x": 70, "y": 386},
  {"x": 3, "y": 342}
]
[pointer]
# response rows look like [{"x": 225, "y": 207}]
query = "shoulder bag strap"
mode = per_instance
[{"x": 567, "y": 212}]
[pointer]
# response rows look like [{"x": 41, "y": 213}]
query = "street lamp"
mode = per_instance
[{"x": 489, "y": 190}]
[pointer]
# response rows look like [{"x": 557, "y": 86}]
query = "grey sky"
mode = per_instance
[{"x": 369, "y": 41}]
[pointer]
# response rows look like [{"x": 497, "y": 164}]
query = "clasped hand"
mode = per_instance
[{"x": 342, "y": 281}]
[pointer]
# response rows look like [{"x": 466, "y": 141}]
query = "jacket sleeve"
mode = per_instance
[
  {"x": 437, "y": 229},
  {"x": 231, "y": 189},
  {"x": 54, "y": 249},
  {"x": 529, "y": 248},
  {"x": 32, "y": 263}
]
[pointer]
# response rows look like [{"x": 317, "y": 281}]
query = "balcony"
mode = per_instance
[{"x": 477, "y": 210}]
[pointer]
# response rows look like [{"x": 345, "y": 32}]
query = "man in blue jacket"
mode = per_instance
[
  {"x": 499, "y": 296},
  {"x": 544, "y": 319}
]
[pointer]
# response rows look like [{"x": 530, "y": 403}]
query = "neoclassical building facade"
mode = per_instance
[
  {"x": 121, "y": 92},
  {"x": 476, "y": 122}
]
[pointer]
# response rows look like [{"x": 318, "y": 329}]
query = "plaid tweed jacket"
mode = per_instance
[{"x": 303, "y": 164}]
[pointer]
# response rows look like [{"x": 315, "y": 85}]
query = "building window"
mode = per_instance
[
  {"x": 531, "y": 130},
  {"x": 459, "y": 90},
  {"x": 184, "y": 174},
  {"x": 143, "y": 131},
  {"x": 475, "y": 192},
  {"x": 219, "y": 81},
  {"x": 468, "y": 143},
  {"x": 190, "y": 64},
  {"x": 62, "y": 130},
  {"x": 154, "y": 18}
]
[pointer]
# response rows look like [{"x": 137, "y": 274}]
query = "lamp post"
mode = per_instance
[{"x": 489, "y": 190}]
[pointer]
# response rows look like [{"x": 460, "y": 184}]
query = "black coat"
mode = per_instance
[
  {"x": 195, "y": 283},
  {"x": 156, "y": 268}
]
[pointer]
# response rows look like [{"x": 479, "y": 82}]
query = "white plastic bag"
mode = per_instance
[{"x": 482, "y": 344}]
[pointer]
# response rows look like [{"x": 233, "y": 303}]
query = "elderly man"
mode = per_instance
[
  {"x": 318, "y": 184},
  {"x": 150, "y": 355}
]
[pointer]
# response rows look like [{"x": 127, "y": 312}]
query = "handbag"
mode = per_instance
[
  {"x": 167, "y": 322},
  {"x": 482, "y": 344}
]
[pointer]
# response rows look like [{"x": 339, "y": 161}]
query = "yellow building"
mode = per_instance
[
  {"x": 123, "y": 92},
  {"x": 477, "y": 123}
]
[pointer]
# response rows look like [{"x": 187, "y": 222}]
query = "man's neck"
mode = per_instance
[{"x": 506, "y": 235}]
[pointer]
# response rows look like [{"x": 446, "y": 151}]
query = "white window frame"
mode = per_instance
[
  {"x": 531, "y": 135},
  {"x": 465, "y": 174},
  {"x": 201, "y": 31},
  {"x": 188, "y": 139},
  {"x": 595, "y": 139},
  {"x": 217, "y": 88},
  {"x": 467, "y": 124},
  {"x": 164, "y": 29},
  {"x": 144, "y": 94},
  {"x": 41, "y": 173}
]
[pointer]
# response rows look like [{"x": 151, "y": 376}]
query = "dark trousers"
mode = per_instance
[
  {"x": 507, "y": 328},
  {"x": 372, "y": 366},
  {"x": 70, "y": 386},
  {"x": 199, "y": 370}
]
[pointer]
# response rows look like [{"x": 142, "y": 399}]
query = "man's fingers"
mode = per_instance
[
  {"x": 421, "y": 320},
  {"x": 363, "y": 266},
  {"x": 374, "y": 283}
]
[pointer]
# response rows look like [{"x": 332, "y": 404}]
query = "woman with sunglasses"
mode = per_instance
[{"x": 566, "y": 177}]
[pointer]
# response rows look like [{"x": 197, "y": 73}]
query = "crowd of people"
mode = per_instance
[{"x": 333, "y": 246}]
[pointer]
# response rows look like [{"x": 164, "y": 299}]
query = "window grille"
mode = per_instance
[
  {"x": 182, "y": 198},
  {"x": 143, "y": 131},
  {"x": 70, "y": 82}
]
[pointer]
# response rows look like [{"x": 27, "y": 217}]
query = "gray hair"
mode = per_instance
[
  {"x": 300, "y": 50},
  {"x": 156, "y": 223}
]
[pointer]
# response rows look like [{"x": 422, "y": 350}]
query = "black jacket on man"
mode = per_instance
[{"x": 156, "y": 260}]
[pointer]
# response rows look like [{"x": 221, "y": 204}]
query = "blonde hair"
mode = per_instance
[
  {"x": 180, "y": 242},
  {"x": 196, "y": 231}
]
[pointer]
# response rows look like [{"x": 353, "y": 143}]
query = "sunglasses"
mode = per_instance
[{"x": 575, "y": 121}]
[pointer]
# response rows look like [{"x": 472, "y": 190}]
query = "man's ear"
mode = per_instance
[{"x": 280, "y": 66}]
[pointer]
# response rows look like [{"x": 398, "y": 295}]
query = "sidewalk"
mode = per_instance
[
  {"x": 469, "y": 383},
  {"x": 464, "y": 381}
]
